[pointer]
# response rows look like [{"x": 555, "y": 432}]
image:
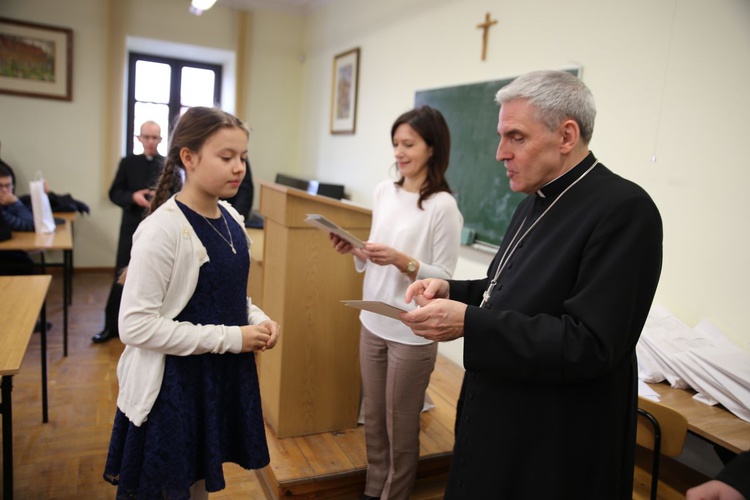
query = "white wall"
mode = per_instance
[
  {"x": 275, "y": 98},
  {"x": 61, "y": 138},
  {"x": 670, "y": 78}
]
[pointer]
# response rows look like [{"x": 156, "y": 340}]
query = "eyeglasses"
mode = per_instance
[
  {"x": 150, "y": 137},
  {"x": 8, "y": 185}
]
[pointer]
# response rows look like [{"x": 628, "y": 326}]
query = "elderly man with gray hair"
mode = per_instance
[{"x": 548, "y": 403}]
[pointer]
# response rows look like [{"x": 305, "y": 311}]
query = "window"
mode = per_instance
[{"x": 161, "y": 89}]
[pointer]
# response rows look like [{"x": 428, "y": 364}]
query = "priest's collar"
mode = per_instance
[{"x": 553, "y": 188}]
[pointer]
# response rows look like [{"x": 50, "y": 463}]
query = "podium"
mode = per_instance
[{"x": 310, "y": 382}]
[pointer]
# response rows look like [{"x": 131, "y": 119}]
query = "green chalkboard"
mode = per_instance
[{"x": 477, "y": 179}]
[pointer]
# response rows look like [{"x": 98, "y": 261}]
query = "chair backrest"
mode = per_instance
[
  {"x": 662, "y": 430},
  {"x": 672, "y": 423}
]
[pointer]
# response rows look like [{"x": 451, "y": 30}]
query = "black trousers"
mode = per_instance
[
  {"x": 15, "y": 263},
  {"x": 112, "y": 309}
]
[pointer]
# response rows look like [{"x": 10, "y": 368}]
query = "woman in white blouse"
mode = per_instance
[{"x": 416, "y": 230}]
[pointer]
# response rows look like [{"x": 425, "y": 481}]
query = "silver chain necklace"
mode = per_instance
[
  {"x": 514, "y": 244},
  {"x": 229, "y": 241}
]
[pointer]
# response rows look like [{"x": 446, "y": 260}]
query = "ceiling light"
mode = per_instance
[{"x": 198, "y": 6}]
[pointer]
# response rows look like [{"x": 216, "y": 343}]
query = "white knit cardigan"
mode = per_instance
[{"x": 162, "y": 275}]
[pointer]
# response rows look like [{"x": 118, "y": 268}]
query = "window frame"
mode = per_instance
[{"x": 175, "y": 102}]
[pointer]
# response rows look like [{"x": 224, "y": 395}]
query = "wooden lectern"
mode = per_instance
[{"x": 310, "y": 382}]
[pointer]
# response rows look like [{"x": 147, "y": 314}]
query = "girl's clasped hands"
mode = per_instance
[{"x": 259, "y": 337}]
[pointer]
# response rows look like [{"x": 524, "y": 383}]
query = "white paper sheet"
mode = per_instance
[
  {"x": 377, "y": 307},
  {"x": 328, "y": 226}
]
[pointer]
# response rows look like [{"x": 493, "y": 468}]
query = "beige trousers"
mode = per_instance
[
  {"x": 394, "y": 380},
  {"x": 198, "y": 490}
]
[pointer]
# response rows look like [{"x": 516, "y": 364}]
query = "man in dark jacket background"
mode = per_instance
[{"x": 132, "y": 189}]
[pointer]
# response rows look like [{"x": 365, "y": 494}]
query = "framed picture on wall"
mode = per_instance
[
  {"x": 36, "y": 60},
  {"x": 344, "y": 92}
]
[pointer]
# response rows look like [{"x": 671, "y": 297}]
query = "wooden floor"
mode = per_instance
[{"x": 64, "y": 458}]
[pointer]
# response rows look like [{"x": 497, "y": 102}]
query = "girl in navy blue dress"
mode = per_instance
[{"x": 189, "y": 398}]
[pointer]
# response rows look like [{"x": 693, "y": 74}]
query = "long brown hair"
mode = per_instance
[
  {"x": 430, "y": 124},
  {"x": 191, "y": 131}
]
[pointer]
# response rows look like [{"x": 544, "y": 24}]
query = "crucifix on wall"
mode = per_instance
[{"x": 486, "y": 25}]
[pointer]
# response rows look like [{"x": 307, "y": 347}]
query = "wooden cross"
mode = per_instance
[{"x": 486, "y": 25}]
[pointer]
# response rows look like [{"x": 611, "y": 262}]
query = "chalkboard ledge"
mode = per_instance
[{"x": 484, "y": 247}]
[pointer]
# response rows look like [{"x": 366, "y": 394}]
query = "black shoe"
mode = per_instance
[
  {"x": 38, "y": 326},
  {"x": 104, "y": 336}
]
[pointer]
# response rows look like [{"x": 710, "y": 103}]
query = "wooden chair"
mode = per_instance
[{"x": 662, "y": 430}]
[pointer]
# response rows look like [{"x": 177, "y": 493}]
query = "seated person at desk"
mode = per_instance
[
  {"x": 732, "y": 483},
  {"x": 19, "y": 218}
]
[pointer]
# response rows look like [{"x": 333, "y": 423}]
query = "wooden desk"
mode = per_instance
[
  {"x": 712, "y": 423},
  {"x": 68, "y": 216},
  {"x": 255, "y": 281},
  {"x": 61, "y": 239},
  {"x": 311, "y": 380},
  {"x": 71, "y": 218},
  {"x": 21, "y": 299}
]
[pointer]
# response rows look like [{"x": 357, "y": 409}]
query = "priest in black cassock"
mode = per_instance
[{"x": 548, "y": 403}]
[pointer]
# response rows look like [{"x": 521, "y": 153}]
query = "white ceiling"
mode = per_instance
[{"x": 298, "y": 6}]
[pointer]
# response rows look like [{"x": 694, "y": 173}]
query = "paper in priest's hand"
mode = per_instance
[
  {"x": 377, "y": 307},
  {"x": 326, "y": 225}
]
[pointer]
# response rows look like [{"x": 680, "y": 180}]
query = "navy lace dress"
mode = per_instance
[{"x": 208, "y": 410}]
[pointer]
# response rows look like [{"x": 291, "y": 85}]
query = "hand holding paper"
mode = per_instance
[
  {"x": 440, "y": 321},
  {"x": 425, "y": 290}
]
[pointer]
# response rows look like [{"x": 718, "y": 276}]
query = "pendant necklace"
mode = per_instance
[
  {"x": 514, "y": 244},
  {"x": 229, "y": 241}
]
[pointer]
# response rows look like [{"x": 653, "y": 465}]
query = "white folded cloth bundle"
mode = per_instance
[{"x": 701, "y": 358}]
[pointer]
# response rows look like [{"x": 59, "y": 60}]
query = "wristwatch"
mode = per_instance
[{"x": 411, "y": 266}]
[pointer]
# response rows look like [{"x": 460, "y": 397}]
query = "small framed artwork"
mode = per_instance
[
  {"x": 344, "y": 92},
  {"x": 36, "y": 60}
]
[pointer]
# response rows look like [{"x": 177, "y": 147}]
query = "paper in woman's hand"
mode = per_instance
[
  {"x": 377, "y": 307},
  {"x": 326, "y": 225}
]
